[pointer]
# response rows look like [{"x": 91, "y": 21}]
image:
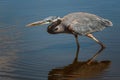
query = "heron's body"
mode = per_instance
[
  {"x": 84, "y": 23},
  {"x": 78, "y": 23}
]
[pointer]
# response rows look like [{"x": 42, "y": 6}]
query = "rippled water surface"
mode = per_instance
[{"x": 33, "y": 54}]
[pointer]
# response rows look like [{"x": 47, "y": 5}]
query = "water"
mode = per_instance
[{"x": 33, "y": 54}]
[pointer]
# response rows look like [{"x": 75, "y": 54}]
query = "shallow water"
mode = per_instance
[{"x": 33, "y": 54}]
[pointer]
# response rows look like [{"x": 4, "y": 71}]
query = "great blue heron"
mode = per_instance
[{"x": 78, "y": 23}]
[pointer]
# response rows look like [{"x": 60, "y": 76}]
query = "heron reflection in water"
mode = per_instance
[{"x": 80, "y": 69}]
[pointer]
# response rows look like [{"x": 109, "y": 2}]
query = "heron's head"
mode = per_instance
[
  {"x": 55, "y": 27},
  {"x": 47, "y": 20}
]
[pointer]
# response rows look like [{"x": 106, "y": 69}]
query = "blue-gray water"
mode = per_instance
[{"x": 33, "y": 54}]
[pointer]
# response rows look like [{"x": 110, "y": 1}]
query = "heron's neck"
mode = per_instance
[{"x": 68, "y": 30}]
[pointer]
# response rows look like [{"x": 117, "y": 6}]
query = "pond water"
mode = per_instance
[{"x": 33, "y": 54}]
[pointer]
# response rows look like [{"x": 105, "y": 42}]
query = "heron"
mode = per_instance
[{"x": 77, "y": 24}]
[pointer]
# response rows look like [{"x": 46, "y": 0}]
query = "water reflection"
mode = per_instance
[
  {"x": 80, "y": 69},
  {"x": 9, "y": 40}
]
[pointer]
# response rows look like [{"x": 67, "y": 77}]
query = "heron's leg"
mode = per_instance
[
  {"x": 76, "y": 57},
  {"x": 92, "y": 37},
  {"x": 77, "y": 42},
  {"x": 94, "y": 56}
]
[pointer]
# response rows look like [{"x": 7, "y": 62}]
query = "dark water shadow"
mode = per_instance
[{"x": 80, "y": 69}]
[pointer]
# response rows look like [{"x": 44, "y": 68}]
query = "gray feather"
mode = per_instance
[
  {"x": 84, "y": 23},
  {"x": 107, "y": 22}
]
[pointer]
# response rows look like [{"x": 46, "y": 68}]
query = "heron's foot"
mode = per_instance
[{"x": 89, "y": 61}]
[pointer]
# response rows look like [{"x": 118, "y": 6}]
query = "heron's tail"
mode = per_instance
[{"x": 107, "y": 22}]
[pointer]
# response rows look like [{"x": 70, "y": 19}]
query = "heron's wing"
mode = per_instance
[{"x": 87, "y": 25}]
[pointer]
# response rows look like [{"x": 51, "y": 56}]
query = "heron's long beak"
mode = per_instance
[{"x": 37, "y": 23}]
